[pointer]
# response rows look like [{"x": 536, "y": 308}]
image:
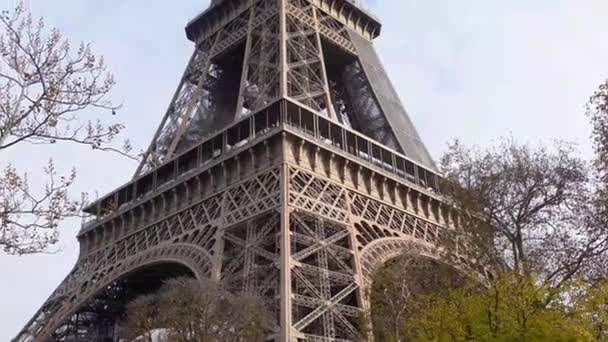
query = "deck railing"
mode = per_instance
[{"x": 281, "y": 114}]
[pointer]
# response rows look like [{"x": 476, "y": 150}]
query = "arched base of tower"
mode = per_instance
[{"x": 100, "y": 318}]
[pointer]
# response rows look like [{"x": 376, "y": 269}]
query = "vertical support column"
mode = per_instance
[
  {"x": 330, "y": 108},
  {"x": 148, "y": 160},
  {"x": 218, "y": 259},
  {"x": 245, "y": 70},
  {"x": 186, "y": 116},
  {"x": 285, "y": 238},
  {"x": 362, "y": 297},
  {"x": 283, "y": 68}
]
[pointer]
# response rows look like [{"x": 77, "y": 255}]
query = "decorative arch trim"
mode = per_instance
[
  {"x": 195, "y": 258},
  {"x": 378, "y": 252}
]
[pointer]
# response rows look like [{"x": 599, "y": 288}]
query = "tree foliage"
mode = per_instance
[
  {"x": 537, "y": 219},
  {"x": 597, "y": 110},
  {"x": 591, "y": 304},
  {"x": 188, "y": 310},
  {"x": 401, "y": 288},
  {"x": 513, "y": 308},
  {"x": 46, "y": 87},
  {"x": 537, "y": 208}
]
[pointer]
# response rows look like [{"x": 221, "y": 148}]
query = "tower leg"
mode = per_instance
[{"x": 285, "y": 286}]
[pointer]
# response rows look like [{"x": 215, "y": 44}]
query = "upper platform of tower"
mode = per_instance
[
  {"x": 350, "y": 11},
  {"x": 290, "y": 68},
  {"x": 250, "y": 54}
]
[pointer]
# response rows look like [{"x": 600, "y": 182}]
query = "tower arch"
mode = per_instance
[
  {"x": 80, "y": 289},
  {"x": 380, "y": 251},
  {"x": 399, "y": 275}
]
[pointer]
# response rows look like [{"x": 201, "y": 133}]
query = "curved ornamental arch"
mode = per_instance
[
  {"x": 380, "y": 251},
  {"x": 83, "y": 287},
  {"x": 401, "y": 285}
]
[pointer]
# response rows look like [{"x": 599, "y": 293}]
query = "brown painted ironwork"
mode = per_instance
[{"x": 281, "y": 168}]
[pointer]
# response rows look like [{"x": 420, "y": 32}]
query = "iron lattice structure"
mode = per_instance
[{"x": 285, "y": 166}]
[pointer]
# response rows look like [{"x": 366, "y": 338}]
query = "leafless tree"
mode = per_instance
[
  {"x": 537, "y": 206},
  {"x": 142, "y": 317},
  {"x": 597, "y": 111},
  {"x": 189, "y": 310},
  {"x": 46, "y": 87}
]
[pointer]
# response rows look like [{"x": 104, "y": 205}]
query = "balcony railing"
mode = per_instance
[
  {"x": 359, "y": 146},
  {"x": 282, "y": 114}
]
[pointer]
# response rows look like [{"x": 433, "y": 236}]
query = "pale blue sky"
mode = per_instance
[{"x": 473, "y": 69}]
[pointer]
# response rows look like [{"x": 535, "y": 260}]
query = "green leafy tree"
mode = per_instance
[
  {"x": 512, "y": 309},
  {"x": 592, "y": 308},
  {"x": 537, "y": 219},
  {"x": 401, "y": 288}
]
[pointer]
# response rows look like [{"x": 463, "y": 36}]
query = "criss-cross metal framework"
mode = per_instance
[
  {"x": 285, "y": 167},
  {"x": 252, "y": 52}
]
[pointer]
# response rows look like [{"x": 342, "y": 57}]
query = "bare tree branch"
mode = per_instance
[
  {"x": 189, "y": 310},
  {"x": 539, "y": 205},
  {"x": 45, "y": 89}
]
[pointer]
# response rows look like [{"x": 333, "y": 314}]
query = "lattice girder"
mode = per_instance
[
  {"x": 285, "y": 166},
  {"x": 255, "y": 52},
  {"x": 191, "y": 236},
  {"x": 343, "y": 220}
]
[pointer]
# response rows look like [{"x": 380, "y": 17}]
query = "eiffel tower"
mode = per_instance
[{"x": 285, "y": 166}]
